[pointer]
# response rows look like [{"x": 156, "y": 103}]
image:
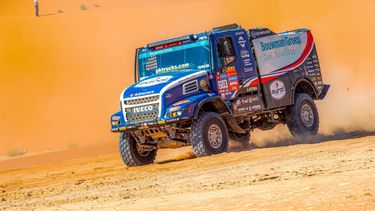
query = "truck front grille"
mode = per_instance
[
  {"x": 141, "y": 110},
  {"x": 141, "y": 100}
]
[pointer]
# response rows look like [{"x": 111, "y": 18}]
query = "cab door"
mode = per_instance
[
  {"x": 226, "y": 64},
  {"x": 234, "y": 63},
  {"x": 237, "y": 79}
]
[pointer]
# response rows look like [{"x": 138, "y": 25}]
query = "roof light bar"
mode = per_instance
[
  {"x": 226, "y": 27},
  {"x": 173, "y": 40}
]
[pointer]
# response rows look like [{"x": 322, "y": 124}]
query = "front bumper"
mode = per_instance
[
  {"x": 122, "y": 128},
  {"x": 180, "y": 111}
]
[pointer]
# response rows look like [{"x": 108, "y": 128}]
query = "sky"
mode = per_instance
[{"x": 61, "y": 74}]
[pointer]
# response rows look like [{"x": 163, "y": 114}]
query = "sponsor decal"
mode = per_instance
[
  {"x": 241, "y": 41},
  {"x": 251, "y": 89},
  {"x": 261, "y": 32},
  {"x": 153, "y": 81},
  {"x": 181, "y": 102},
  {"x": 151, "y": 63},
  {"x": 141, "y": 93},
  {"x": 239, "y": 33},
  {"x": 227, "y": 82},
  {"x": 205, "y": 66},
  {"x": 232, "y": 78},
  {"x": 282, "y": 51},
  {"x": 247, "y": 104},
  {"x": 245, "y": 54},
  {"x": 231, "y": 71},
  {"x": 222, "y": 85},
  {"x": 245, "y": 101},
  {"x": 286, "y": 41},
  {"x": 247, "y": 69},
  {"x": 277, "y": 89},
  {"x": 176, "y": 108},
  {"x": 247, "y": 62},
  {"x": 256, "y": 107},
  {"x": 172, "y": 67},
  {"x": 203, "y": 83},
  {"x": 229, "y": 59},
  {"x": 143, "y": 109},
  {"x": 243, "y": 110},
  {"x": 253, "y": 99}
]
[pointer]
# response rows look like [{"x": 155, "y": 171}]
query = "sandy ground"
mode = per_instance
[{"x": 334, "y": 174}]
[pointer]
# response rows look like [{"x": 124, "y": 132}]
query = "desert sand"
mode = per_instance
[
  {"x": 61, "y": 75},
  {"x": 331, "y": 175}
]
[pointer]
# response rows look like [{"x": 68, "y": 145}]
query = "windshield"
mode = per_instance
[{"x": 194, "y": 55}]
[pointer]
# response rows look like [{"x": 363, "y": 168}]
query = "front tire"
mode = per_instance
[
  {"x": 302, "y": 118},
  {"x": 131, "y": 153},
  {"x": 209, "y": 135}
]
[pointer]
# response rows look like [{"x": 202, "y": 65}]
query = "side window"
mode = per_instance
[{"x": 225, "y": 50}]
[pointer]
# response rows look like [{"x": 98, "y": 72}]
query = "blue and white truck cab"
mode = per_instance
[{"x": 204, "y": 89}]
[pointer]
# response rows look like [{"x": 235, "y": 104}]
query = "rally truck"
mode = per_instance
[{"x": 204, "y": 89}]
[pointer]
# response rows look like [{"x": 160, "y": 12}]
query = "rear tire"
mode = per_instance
[
  {"x": 209, "y": 135},
  {"x": 243, "y": 139},
  {"x": 302, "y": 118},
  {"x": 130, "y": 153}
]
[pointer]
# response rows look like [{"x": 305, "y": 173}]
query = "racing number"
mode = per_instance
[{"x": 222, "y": 84}]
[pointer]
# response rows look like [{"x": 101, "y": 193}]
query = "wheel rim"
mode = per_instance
[
  {"x": 215, "y": 136},
  {"x": 307, "y": 115}
]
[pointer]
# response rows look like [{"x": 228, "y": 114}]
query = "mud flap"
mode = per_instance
[{"x": 324, "y": 91}]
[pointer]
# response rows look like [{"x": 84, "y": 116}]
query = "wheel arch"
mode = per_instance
[
  {"x": 304, "y": 85},
  {"x": 214, "y": 104}
]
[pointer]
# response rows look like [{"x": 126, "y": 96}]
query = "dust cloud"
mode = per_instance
[{"x": 61, "y": 74}]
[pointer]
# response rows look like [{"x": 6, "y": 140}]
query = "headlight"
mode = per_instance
[
  {"x": 115, "y": 123},
  {"x": 173, "y": 114},
  {"x": 116, "y": 118}
]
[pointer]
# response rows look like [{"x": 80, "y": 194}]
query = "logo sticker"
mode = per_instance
[
  {"x": 203, "y": 83},
  {"x": 153, "y": 81},
  {"x": 143, "y": 109},
  {"x": 242, "y": 41},
  {"x": 141, "y": 94},
  {"x": 181, "y": 102},
  {"x": 277, "y": 89}
]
